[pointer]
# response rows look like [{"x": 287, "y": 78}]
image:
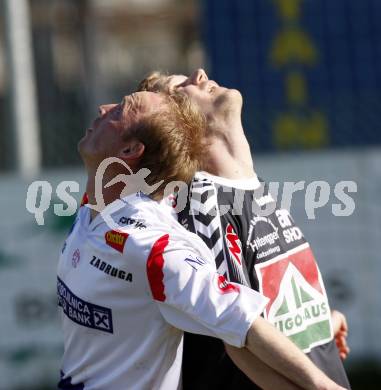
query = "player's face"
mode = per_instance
[
  {"x": 213, "y": 100},
  {"x": 106, "y": 137}
]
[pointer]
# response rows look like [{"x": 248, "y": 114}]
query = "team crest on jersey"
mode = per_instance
[
  {"x": 172, "y": 199},
  {"x": 116, "y": 239},
  {"x": 76, "y": 258},
  {"x": 224, "y": 287},
  {"x": 234, "y": 244},
  {"x": 298, "y": 304}
]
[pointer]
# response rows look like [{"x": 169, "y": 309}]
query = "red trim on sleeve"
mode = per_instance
[
  {"x": 155, "y": 264},
  {"x": 85, "y": 199}
]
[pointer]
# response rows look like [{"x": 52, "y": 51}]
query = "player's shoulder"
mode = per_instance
[
  {"x": 249, "y": 183},
  {"x": 144, "y": 218}
]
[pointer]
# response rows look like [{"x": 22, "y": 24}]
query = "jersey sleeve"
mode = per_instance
[
  {"x": 192, "y": 296},
  {"x": 214, "y": 213}
]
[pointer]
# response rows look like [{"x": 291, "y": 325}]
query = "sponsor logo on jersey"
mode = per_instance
[
  {"x": 76, "y": 258},
  {"x": 116, "y": 239},
  {"x": 290, "y": 233},
  {"x": 82, "y": 312},
  {"x": 234, "y": 244},
  {"x": 224, "y": 287},
  {"x": 298, "y": 304},
  {"x": 265, "y": 244},
  {"x": 136, "y": 223},
  {"x": 110, "y": 270}
]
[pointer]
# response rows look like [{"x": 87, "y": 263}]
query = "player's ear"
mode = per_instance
[{"x": 132, "y": 150}]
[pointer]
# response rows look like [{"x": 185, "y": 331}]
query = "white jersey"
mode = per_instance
[{"x": 128, "y": 294}]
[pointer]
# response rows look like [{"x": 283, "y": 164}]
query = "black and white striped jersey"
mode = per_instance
[{"x": 256, "y": 243}]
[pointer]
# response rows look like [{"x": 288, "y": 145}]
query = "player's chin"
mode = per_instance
[
  {"x": 84, "y": 148},
  {"x": 230, "y": 100},
  {"x": 234, "y": 96}
]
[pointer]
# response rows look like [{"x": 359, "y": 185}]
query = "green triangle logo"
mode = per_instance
[
  {"x": 305, "y": 297},
  {"x": 296, "y": 293},
  {"x": 283, "y": 309}
]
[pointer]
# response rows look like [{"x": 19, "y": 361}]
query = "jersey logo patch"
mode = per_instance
[
  {"x": 116, "y": 240},
  {"x": 224, "y": 287},
  {"x": 298, "y": 304},
  {"x": 76, "y": 258},
  {"x": 82, "y": 312},
  {"x": 234, "y": 244},
  {"x": 265, "y": 243}
]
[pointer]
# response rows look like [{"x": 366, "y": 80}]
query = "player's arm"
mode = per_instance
[
  {"x": 193, "y": 297},
  {"x": 257, "y": 371},
  {"x": 277, "y": 351}
]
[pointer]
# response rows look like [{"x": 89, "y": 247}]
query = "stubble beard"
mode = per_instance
[{"x": 227, "y": 110}]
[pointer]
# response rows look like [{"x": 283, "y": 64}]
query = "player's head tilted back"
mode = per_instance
[
  {"x": 219, "y": 104},
  {"x": 147, "y": 130},
  {"x": 228, "y": 151}
]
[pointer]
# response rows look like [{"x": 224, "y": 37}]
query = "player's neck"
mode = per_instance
[
  {"x": 229, "y": 154},
  {"x": 106, "y": 195}
]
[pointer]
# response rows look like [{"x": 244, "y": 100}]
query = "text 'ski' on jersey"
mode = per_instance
[
  {"x": 128, "y": 291},
  {"x": 267, "y": 251}
]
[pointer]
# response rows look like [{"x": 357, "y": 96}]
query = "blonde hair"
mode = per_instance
[
  {"x": 173, "y": 140},
  {"x": 154, "y": 82}
]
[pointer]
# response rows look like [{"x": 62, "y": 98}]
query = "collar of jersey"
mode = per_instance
[
  {"x": 251, "y": 183},
  {"x": 131, "y": 199}
]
